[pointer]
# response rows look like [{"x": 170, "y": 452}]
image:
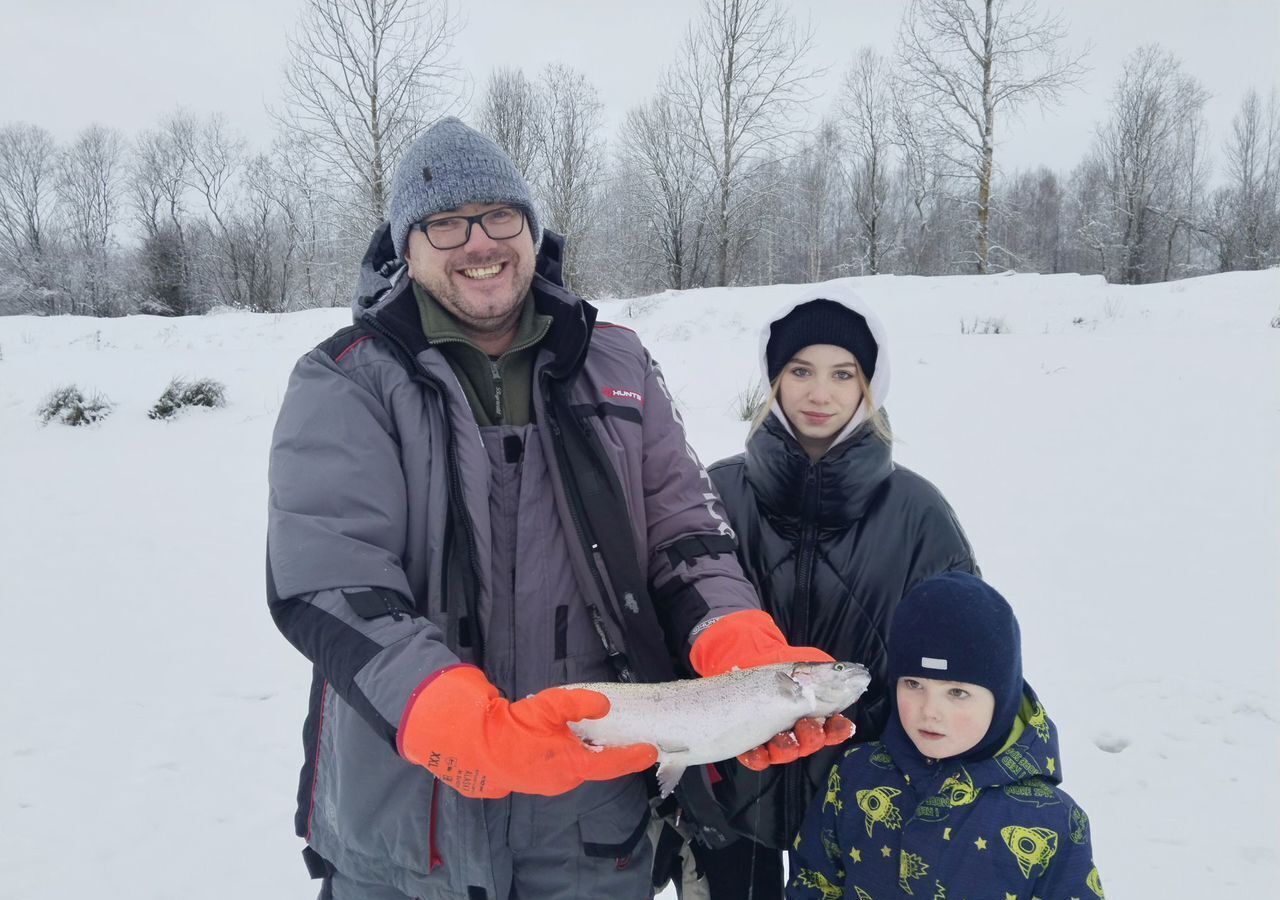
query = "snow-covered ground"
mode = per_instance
[{"x": 1113, "y": 457}]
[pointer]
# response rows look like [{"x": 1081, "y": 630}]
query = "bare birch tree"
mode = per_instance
[
  {"x": 1026, "y": 221},
  {"x": 1139, "y": 149},
  {"x": 570, "y": 161},
  {"x": 668, "y": 187},
  {"x": 813, "y": 223},
  {"x": 968, "y": 63},
  {"x": 1180, "y": 206},
  {"x": 866, "y": 106},
  {"x": 510, "y": 115},
  {"x": 922, "y": 175},
  {"x": 363, "y": 78},
  {"x": 28, "y": 197},
  {"x": 157, "y": 187},
  {"x": 741, "y": 77},
  {"x": 1250, "y": 228},
  {"x": 316, "y": 272},
  {"x": 214, "y": 157},
  {"x": 90, "y": 185}
]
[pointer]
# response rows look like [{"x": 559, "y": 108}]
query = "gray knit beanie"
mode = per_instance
[{"x": 448, "y": 166}]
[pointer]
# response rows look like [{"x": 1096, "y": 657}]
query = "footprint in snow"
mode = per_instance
[{"x": 1111, "y": 742}]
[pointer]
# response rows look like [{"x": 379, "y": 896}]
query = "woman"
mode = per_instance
[{"x": 832, "y": 534}]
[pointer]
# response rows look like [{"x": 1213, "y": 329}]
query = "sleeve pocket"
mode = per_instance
[{"x": 374, "y": 603}]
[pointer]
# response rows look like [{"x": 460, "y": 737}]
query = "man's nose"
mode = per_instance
[{"x": 479, "y": 238}]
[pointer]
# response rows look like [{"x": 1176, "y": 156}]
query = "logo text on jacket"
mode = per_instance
[{"x": 622, "y": 394}]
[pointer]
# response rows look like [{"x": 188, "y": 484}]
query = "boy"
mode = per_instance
[{"x": 960, "y": 797}]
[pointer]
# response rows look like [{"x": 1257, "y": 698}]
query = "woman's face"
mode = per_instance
[{"x": 819, "y": 392}]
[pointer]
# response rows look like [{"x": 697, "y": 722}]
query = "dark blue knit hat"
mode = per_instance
[
  {"x": 956, "y": 627},
  {"x": 820, "y": 322},
  {"x": 449, "y": 166}
]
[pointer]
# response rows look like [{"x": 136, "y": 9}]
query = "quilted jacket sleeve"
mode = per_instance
[
  {"x": 693, "y": 567},
  {"x": 335, "y": 538}
]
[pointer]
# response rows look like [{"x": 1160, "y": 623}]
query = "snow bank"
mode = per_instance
[{"x": 1112, "y": 454}]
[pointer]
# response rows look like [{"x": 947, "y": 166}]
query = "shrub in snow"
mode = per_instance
[
  {"x": 749, "y": 401},
  {"x": 180, "y": 394},
  {"x": 988, "y": 325},
  {"x": 1275, "y": 323},
  {"x": 69, "y": 406}
]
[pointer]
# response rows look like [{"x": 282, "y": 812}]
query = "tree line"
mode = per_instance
[{"x": 718, "y": 178}]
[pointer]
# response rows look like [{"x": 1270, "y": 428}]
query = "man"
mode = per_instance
[{"x": 479, "y": 494}]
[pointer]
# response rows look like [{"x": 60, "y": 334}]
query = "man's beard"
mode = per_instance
[{"x": 445, "y": 291}]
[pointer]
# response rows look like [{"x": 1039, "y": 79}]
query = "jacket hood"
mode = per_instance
[
  {"x": 1031, "y": 751},
  {"x": 838, "y": 292}
]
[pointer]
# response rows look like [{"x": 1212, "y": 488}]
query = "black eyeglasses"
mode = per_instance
[{"x": 499, "y": 224}]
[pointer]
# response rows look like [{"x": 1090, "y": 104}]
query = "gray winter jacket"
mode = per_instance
[{"x": 381, "y": 560}]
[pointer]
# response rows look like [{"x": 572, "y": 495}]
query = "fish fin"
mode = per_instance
[
  {"x": 789, "y": 686},
  {"x": 669, "y": 773}
]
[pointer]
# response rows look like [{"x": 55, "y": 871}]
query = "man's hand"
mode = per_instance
[
  {"x": 808, "y": 736},
  {"x": 482, "y": 745}
]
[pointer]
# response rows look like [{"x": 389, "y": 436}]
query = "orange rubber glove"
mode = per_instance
[
  {"x": 751, "y": 638},
  {"x": 482, "y": 745},
  {"x": 808, "y": 736},
  {"x": 744, "y": 640}
]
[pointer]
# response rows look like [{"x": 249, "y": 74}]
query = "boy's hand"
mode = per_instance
[{"x": 808, "y": 736}]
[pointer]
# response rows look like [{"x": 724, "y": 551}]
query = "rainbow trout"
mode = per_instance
[{"x": 705, "y": 720}]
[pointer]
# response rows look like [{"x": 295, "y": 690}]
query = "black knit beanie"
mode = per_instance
[
  {"x": 956, "y": 627},
  {"x": 820, "y": 322}
]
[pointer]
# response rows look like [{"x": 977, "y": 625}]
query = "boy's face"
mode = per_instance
[{"x": 944, "y": 718}]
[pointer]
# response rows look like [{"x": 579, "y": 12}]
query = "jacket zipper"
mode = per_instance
[
  {"x": 496, "y": 374},
  {"x": 793, "y": 776}
]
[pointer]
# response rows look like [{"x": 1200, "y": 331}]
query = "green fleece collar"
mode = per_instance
[{"x": 499, "y": 390}]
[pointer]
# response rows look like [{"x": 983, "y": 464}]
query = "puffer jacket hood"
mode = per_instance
[{"x": 837, "y": 292}]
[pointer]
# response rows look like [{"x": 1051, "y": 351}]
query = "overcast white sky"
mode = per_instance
[{"x": 126, "y": 63}]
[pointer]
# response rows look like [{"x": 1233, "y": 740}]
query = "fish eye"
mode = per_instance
[{"x": 840, "y": 667}]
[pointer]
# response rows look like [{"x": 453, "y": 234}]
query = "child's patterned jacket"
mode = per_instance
[{"x": 893, "y": 823}]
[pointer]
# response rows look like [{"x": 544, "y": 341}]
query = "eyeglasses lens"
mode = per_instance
[{"x": 500, "y": 224}]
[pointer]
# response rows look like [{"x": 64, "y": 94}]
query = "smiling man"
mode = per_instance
[{"x": 478, "y": 495}]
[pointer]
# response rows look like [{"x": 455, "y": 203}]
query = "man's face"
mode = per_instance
[{"x": 480, "y": 283}]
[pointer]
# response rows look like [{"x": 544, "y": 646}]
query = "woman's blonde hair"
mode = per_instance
[{"x": 876, "y": 418}]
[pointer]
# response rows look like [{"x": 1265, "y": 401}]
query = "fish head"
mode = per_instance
[{"x": 833, "y": 686}]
